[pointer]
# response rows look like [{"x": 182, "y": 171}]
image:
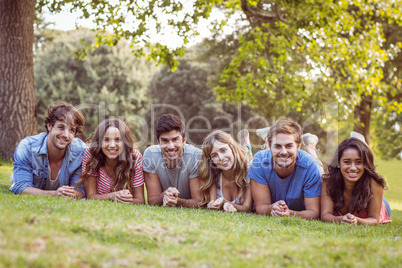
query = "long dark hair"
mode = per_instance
[
  {"x": 209, "y": 174},
  {"x": 125, "y": 166},
  {"x": 361, "y": 193}
]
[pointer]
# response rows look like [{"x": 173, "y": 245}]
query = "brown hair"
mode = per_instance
[
  {"x": 125, "y": 167},
  {"x": 285, "y": 126},
  {"x": 67, "y": 113},
  {"x": 361, "y": 194},
  {"x": 167, "y": 123},
  {"x": 209, "y": 173}
]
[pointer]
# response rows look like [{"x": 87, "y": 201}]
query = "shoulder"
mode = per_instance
[
  {"x": 191, "y": 153},
  {"x": 190, "y": 149},
  {"x": 87, "y": 154},
  {"x": 152, "y": 151},
  {"x": 307, "y": 161},
  {"x": 30, "y": 144},
  {"x": 78, "y": 146},
  {"x": 263, "y": 157},
  {"x": 33, "y": 141},
  {"x": 137, "y": 154}
]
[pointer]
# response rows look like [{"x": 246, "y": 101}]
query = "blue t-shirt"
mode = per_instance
[{"x": 305, "y": 180}]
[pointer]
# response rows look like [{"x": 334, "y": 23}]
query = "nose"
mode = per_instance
[
  {"x": 170, "y": 145},
  {"x": 64, "y": 132},
  {"x": 283, "y": 150},
  {"x": 112, "y": 143},
  {"x": 353, "y": 166}
]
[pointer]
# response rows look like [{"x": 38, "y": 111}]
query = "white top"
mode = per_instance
[
  {"x": 52, "y": 184},
  {"x": 219, "y": 193}
]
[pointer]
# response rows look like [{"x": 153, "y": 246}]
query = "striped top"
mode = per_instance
[{"x": 104, "y": 182}]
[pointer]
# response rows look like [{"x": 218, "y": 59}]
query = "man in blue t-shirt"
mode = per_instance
[{"x": 284, "y": 179}]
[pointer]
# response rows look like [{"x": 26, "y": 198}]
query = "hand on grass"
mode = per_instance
[
  {"x": 229, "y": 207},
  {"x": 216, "y": 204},
  {"x": 124, "y": 196},
  {"x": 349, "y": 218},
  {"x": 280, "y": 209},
  {"x": 170, "y": 197},
  {"x": 66, "y": 191}
]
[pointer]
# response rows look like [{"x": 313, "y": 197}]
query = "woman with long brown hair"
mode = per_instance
[
  {"x": 111, "y": 167},
  {"x": 223, "y": 173},
  {"x": 352, "y": 190}
]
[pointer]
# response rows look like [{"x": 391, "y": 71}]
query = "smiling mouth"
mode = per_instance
[
  {"x": 63, "y": 141},
  {"x": 353, "y": 174},
  {"x": 171, "y": 153},
  {"x": 224, "y": 164}
]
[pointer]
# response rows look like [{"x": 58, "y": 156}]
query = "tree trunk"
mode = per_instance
[
  {"x": 17, "y": 90},
  {"x": 362, "y": 114}
]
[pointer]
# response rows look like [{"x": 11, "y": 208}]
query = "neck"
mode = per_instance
[
  {"x": 110, "y": 163},
  {"x": 284, "y": 172},
  {"x": 228, "y": 174},
  {"x": 349, "y": 187},
  {"x": 54, "y": 154},
  {"x": 172, "y": 164}
]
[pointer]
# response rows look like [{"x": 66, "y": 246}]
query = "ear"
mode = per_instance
[
  {"x": 298, "y": 146},
  {"x": 184, "y": 140},
  {"x": 49, "y": 127}
]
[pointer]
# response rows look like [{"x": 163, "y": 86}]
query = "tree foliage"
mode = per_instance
[
  {"x": 186, "y": 92},
  {"x": 109, "y": 82},
  {"x": 297, "y": 57}
]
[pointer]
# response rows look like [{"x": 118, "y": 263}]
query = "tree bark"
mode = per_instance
[
  {"x": 17, "y": 89},
  {"x": 362, "y": 113}
]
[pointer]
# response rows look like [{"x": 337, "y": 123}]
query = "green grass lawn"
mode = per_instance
[{"x": 38, "y": 231}]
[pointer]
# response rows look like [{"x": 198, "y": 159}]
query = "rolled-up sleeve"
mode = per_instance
[{"x": 22, "y": 172}]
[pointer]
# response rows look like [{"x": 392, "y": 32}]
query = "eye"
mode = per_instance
[
  {"x": 106, "y": 139},
  {"x": 223, "y": 150},
  {"x": 288, "y": 146}
]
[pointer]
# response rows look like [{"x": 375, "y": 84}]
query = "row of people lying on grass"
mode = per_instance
[{"x": 284, "y": 180}]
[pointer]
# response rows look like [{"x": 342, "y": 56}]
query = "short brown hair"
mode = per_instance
[
  {"x": 167, "y": 123},
  {"x": 67, "y": 113},
  {"x": 285, "y": 126}
]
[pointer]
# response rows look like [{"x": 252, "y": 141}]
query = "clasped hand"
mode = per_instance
[
  {"x": 221, "y": 203},
  {"x": 170, "y": 197},
  {"x": 66, "y": 191},
  {"x": 349, "y": 218},
  {"x": 123, "y": 196},
  {"x": 280, "y": 209}
]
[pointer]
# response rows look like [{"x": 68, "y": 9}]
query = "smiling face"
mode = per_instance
[
  {"x": 351, "y": 165},
  {"x": 60, "y": 135},
  {"x": 112, "y": 143},
  {"x": 172, "y": 144},
  {"x": 222, "y": 156},
  {"x": 284, "y": 151}
]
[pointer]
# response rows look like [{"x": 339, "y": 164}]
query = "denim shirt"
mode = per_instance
[{"x": 31, "y": 163}]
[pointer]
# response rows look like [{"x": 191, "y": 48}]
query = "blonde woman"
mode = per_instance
[{"x": 223, "y": 173}]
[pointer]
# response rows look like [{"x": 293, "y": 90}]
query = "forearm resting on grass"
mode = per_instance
[{"x": 64, "y": 191}]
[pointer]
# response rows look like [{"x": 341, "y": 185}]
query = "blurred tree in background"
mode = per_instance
[
  {"x": 321, "y": 62},
  {"x": 110, "y": 82},
  {"x": 185, "y": 92}
]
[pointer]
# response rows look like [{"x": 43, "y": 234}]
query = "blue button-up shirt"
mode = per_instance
[{"x": 31, "y": 164}]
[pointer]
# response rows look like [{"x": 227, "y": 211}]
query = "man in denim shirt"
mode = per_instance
[
  {"x": 50, "y": 163},
  {"x": 284, "y": 179}
]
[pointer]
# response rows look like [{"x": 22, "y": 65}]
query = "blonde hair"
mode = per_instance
[{"x": 208, "y": 172}]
